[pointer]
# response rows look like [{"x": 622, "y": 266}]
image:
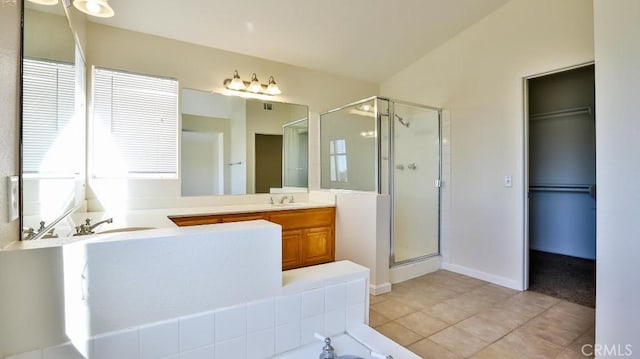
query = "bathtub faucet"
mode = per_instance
[{"x": 88, "y": 228}]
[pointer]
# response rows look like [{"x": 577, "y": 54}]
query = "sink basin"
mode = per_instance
[{"x": 126, "y": 229}]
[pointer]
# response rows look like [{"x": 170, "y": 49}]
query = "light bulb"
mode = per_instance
[
  {"x": 93, "y": 7},
  {"x": 236, "y": 83},
  {"x": 272, "y": 88},
  {"x": 255, "y": 85}
]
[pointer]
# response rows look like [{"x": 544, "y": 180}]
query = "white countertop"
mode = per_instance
[{"x": 147, "y": 218}]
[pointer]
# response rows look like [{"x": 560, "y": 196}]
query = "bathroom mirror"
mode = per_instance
[
  {"x": 236, "y": 145},
  {"x": 59, "y": 180},
  {"x": 53, "y": 116}
]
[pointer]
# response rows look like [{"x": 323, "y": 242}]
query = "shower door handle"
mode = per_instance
[{"x": 411, "y": 166}]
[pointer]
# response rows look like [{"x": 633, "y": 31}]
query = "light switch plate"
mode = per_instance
[{"x": 13, "y": 197}]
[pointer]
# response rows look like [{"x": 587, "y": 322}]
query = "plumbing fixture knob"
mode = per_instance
[
  {"x": 327, "y": 351},
  {"x": 400, "y": 167}
]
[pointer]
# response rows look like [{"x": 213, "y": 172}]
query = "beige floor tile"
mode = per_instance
[
  {"x": 439, "y": 292},
  {"x": 577, "y": 314},
  {"x": 399, "y": 333},
  {"x": 373, "y": 299},
  {"x": 461, "y": 316},
  {"x": 393, "y": 309},
  {"x": 493, "y": 293},
  {"x": 555, "y": 330},
  {"x": 522, "y": 308},
  {"x": 422, "y": 323},
  {"x": 534, "y": 298},
  {"x": 484, "y": 329},
  {"x": 448, "y": 312},
  {"x": 496, "y": 352},
  {"x": 469, "y": 303},
  {"x": 458, "y": 341},
  {"x": 376, "y": 319},
  {"x": 528, "y": 346},
  {"x": 587, "y": 338},
  {"x": 571, "y": 354},
  {"x": 506, "y": 318},
  {"x": 427, "y": 349},
  {"x": 416, "y": 299}
]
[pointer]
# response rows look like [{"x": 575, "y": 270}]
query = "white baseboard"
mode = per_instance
[
  {"x": 505, "y": 282},
  {"x": 380, "y": 288},
  {"x": 408, "y": 271}
]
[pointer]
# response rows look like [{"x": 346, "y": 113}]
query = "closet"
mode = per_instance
[{"x": 562, "y": 184}]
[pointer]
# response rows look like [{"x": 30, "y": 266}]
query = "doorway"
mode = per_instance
[
  {"x": 561, "y": 184},
  {"x": 268, "y": 170}
]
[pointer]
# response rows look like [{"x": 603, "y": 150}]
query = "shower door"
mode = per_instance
[{"x": 415, "y": 182}]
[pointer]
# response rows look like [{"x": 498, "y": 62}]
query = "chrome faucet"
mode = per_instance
[
  {"x": 327, "y": 351},
  {"x": 284, "y": 198},
  {"x": 88, "y": 228},
  {"x": 28, "y": 233}
]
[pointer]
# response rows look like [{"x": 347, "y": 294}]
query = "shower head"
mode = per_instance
[{"x": 402, "y": 121}]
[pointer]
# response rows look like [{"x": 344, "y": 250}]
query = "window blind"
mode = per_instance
[
  {"x": 47, "y": 108},
  {"x": 139, "y": 114}
]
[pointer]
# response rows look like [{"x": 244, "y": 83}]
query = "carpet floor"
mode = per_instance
[{"x": 565, "y": 277}]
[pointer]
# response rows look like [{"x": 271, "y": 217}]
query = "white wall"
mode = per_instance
[
  {"x": 477, "y": 77},
  {"x": 9, "y": 124},
  {"x": 617, "y": 50}
]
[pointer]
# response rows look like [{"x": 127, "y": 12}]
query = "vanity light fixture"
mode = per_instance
[
  {"x": 98, "y": 8},
  {"x": 45, "y": 2},
  {"x": 254, "y": 86}
]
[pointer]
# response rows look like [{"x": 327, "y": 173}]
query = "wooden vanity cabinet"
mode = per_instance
[{"x": 308, "y": 235}]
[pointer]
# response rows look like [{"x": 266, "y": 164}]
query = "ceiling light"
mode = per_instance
[
  {"x": 45, "y": 2},
  {"x": 253, "y": 86},
  {"x": 272, "y": 88},
  {"x": 99, "y": 8}
]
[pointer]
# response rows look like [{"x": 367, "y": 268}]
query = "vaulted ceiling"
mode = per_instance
[{"x": 365, "y": 39}]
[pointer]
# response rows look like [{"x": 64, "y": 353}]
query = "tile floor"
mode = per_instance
[{"x": 447, "y": 315}]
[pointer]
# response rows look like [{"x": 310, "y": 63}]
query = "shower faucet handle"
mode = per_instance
[
  {"x": 400, "y": 167},
  {"x": 411, "y": 166}
]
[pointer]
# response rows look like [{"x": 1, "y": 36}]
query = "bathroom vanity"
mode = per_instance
[{"x": 308, "y": 234}]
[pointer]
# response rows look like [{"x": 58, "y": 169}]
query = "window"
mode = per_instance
[
  {"x": 338, "y": 160},
  {"x": 48, "y": 107},
  {"x": 135, "y": 125}
]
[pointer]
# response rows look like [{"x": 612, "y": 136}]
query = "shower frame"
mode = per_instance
[{"x": 391, "y": 165}]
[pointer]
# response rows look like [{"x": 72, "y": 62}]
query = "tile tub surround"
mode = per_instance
[{"x": 327, "y": 299}]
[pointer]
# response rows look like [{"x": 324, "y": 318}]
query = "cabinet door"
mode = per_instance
[
  {"x": 318, "y": 246},
  {"x": 291, "y": 249}
]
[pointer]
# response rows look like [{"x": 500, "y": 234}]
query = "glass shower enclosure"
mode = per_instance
[{"x": 389, "y": 147}]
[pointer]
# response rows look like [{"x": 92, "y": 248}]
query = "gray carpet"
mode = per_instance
[{"x": 564, "y": 277}]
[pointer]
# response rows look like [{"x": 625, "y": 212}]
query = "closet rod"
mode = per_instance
[
  {"x": 567, "y": 112},
  {"x": 560, "y": 188}
]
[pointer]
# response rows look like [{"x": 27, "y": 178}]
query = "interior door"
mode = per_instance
[{"x": 268, "y": 169}]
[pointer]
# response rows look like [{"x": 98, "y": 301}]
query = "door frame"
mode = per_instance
[{"x": 525, "y": 166}]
